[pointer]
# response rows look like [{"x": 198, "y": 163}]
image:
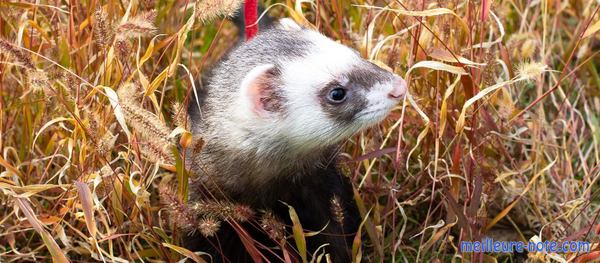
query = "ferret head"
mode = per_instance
[{"x": 293, "y": 86}]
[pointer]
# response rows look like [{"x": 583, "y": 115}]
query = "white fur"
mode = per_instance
[
  {"x": 289, "y": 24},
  {"x": 305, "y": 125},
  {"x": 243, "y": 113},
  {"x": 380, "y": 103}
]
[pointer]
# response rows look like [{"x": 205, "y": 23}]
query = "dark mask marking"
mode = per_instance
[
  {"x": 361, "y": 80},
  {"x": 343, "y": 112},
  {"x": 367, "y": 75}
]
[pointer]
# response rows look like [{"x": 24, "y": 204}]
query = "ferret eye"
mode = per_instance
[{"x": 337, "y": 95}]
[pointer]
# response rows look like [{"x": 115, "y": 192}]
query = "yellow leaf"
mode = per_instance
[
  {"x": 148, "y": 52},
  {"x": 182, "y": 36},
  {"x": 114, "y": 102},
  {"x": 143, "y": 80},
  {"x": 48, "y": 124},
  {"x": 420, "y": 138},
  {"x": 357, "y": 242},
  {"x": 159, "y": 79},
  {"x": 447, "y": 56},
  {"x": 298, "y": 233},
  {"x": 298, "y": 15},
  {"x": 436, "y": 65},
  {"x": 592, "y": 29},
  {"x": 437, "y": 235},
  {"x": 413, "y": 103},
  {"x": 512, "y": 204},
  {"x": 460, "y": 123},
  {"x": 140, "y": 61},
  {"x": 39, "y": 29},
  {"x": 423, "y": 13},
  {"x": 187, "y": 253},
  {"x": 9, "y": 167},
  {"x": 55, "y": 251},
  {"x": 29, "y": 190},
  {"x": 87, "y": 204},
  {"x": 444, "y": 107}
]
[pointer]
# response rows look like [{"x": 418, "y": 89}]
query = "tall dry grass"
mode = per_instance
[{"x": 500, "y": 136}]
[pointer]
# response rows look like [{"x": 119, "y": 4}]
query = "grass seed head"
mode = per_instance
[
  {"x": 207, "y": 10},
  {"x": 71, "y": 82},
  {"x": 337, "y": 210},
  {"x": 180, "y": 116},
  {"x": 223, "y": 210},
  {"x": 102, "y": 29},
  {"x": 138, "y": 26},
  {"x": 130, "y": 92},
  {"x": 123, "y": 48},
  {"x": 156, "y": 141},
  {"x": 531, "y": 70},
  {"x": 549, "y": 147},
  {"x": 242, "y": 213},
  {"x": 197, "y": 144},
  {"x": 209, "y": 226},
  {"x": 16, "y": 53},
  {"x": 528, "y": 49},
  {"x": 143, "y": 121},
  {"x": 273, "y": 226},
  {"x": 38, "y": 81},
  {"x": 146, "y": 123},
  {"x": 180, "y": 213},
  {"x": 157, "y": 151},
  {"x": 106, "y": 143}
]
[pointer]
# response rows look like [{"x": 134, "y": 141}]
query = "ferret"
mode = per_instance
[{"x": 272, "y": 116}]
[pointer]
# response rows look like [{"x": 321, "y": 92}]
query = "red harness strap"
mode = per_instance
[{"x": 251, "y": 16}]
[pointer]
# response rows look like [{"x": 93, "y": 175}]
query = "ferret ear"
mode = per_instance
[
  {"x": 289, "y": 24},
  {"x": 260, "y": 90}
]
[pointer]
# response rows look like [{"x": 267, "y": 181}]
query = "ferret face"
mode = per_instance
[{"x": 319, "y": 98}]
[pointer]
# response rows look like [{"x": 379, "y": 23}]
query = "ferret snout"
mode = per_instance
[{"x": 398, "y": 88}]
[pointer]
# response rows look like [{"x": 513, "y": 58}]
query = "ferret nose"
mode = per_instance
[{"x": 398, "y": 88}]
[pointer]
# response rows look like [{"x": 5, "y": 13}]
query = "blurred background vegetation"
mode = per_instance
[{"x": 500, "y": 136}]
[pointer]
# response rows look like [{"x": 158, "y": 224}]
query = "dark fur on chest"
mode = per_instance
[{"x": 310, "y": 194}]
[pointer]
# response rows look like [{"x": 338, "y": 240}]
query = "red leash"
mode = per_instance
[{"x": 251, "y": 17}]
